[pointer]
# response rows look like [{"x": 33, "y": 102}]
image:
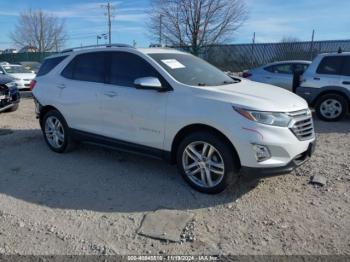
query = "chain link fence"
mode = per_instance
[
  {"x": 22, "y": 57},
  {"x": 238, "y": 57}
]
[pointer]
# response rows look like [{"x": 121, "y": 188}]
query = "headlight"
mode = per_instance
[
  {"x": 10, "y": 85},
  {"x": 267, "y": 118}
]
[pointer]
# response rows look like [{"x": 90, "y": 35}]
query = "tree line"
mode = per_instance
[{"x": 191, "y": 24}]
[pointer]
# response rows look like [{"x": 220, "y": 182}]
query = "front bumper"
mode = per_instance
[
  {"x": 10, "y": 100},
  {"x": 299, "y": 160}
]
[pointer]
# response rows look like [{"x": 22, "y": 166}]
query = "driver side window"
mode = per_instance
[{"x": 127, "y": 67}]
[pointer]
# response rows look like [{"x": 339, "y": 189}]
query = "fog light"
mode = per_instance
[{"x": 262, "y": 153}]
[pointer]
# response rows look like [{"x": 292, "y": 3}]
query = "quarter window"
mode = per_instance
[
  {"x": 49, "y": 64},
  {"x": 330, "y": 65}
]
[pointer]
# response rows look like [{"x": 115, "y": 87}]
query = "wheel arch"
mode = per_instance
[
  {"x": 182, "y": 133},
  {"x": 44, "y": 110},
  {"x": 332, "y": 90}
]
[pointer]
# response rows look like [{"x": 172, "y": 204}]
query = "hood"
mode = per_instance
[
  {"x": 23, "y": 75},
  {"x": 261, "y": 97}
]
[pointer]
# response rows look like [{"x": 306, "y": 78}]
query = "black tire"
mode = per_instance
[
  {"x": 13, "y": 109},
  {"x": 68, "y": 143},
  {"x": 335, "y": 97},
  {"x": 229, "y": 160}
]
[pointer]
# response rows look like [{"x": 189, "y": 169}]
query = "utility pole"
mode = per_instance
[{"x": 109, "y": 17}]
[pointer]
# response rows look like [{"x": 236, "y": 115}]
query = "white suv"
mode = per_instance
[
  {"x": 326, "y": 86},
  {"x": 175, "y": 106}
]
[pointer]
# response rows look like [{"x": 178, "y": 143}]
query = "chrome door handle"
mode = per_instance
[
  {"x": 346, "y": 82},
  {"x": 110, "y": 94},
  {"x": 61, "y": 86}
]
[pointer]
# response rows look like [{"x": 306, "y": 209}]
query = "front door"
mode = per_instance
[{"x": 130, "y": 114}]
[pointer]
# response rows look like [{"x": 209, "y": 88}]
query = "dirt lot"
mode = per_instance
[{"x": 93, "y": 200}]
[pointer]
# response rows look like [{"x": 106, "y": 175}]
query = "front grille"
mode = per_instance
[{"x": 302, "y": 125}]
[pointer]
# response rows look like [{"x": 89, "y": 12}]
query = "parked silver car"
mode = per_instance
[{"x": 278, "y": 73}]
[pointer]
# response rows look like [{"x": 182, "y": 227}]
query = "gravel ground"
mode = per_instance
[{"x": 93, "y": 200}]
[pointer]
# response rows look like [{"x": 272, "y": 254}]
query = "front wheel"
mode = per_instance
[
  {"x": 206, "y": 162},
  {"x": 331, "y": 107}
]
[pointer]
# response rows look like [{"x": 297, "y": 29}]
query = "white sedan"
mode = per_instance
[{"x": 22, "y": 76}]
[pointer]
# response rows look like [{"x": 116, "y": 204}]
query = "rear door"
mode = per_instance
[
  {"x": 80, "y": 84},
  {"x": 345, "y": 79}
]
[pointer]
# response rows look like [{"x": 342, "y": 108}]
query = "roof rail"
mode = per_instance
[{"x": 95, "y": 46}]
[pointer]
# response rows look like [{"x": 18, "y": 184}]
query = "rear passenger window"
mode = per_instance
[
  {"x": 49, "y": 64},
  {"x": 127, "y": 67},
  {"x": 346, "y": 66},
  {"x": 300, "y": 67},
  {"x": 90, "y": 67},
  {"x": 330, "y": 65}
]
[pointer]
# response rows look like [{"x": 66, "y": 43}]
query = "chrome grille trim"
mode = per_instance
[{"x": 302, "y": 125}]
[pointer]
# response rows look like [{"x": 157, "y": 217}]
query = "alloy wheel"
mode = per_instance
[
  {"x": 203, "y": 164},
  {"x": 54, "y": 132}
]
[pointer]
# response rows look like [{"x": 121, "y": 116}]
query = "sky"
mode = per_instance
[{"x": 271, "y": 20}]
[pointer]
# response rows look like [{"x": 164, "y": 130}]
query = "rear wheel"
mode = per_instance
[
  {"x": 56, "y": 132},
  {"x": 206, "y": 162},
  {"x": 331, "y": 107}
]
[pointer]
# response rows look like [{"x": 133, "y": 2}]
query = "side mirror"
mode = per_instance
[{"x": 151, "y": 83}]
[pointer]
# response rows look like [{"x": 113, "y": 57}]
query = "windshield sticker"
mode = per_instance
[{"x": 173, "y": 63}]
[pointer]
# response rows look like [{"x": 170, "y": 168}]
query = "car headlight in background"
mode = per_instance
[
  {"x": 267, "y": 118},
  {"x": 11, "y": 85}
]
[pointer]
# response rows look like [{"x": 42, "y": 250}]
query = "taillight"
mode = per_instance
[
  {"x": 32, "y": 85},
  {"x": 246, "y": 74}
]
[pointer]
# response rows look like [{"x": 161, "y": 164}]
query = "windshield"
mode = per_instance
[
  {"x": 15, "y": 70},
  {"x": 190, "y": 70}
]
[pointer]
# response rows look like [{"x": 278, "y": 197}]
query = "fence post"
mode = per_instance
[{"x": 252, "y": 54}]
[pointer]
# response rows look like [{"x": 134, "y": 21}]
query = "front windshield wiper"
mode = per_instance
[{"x": 235, "y": 81}]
